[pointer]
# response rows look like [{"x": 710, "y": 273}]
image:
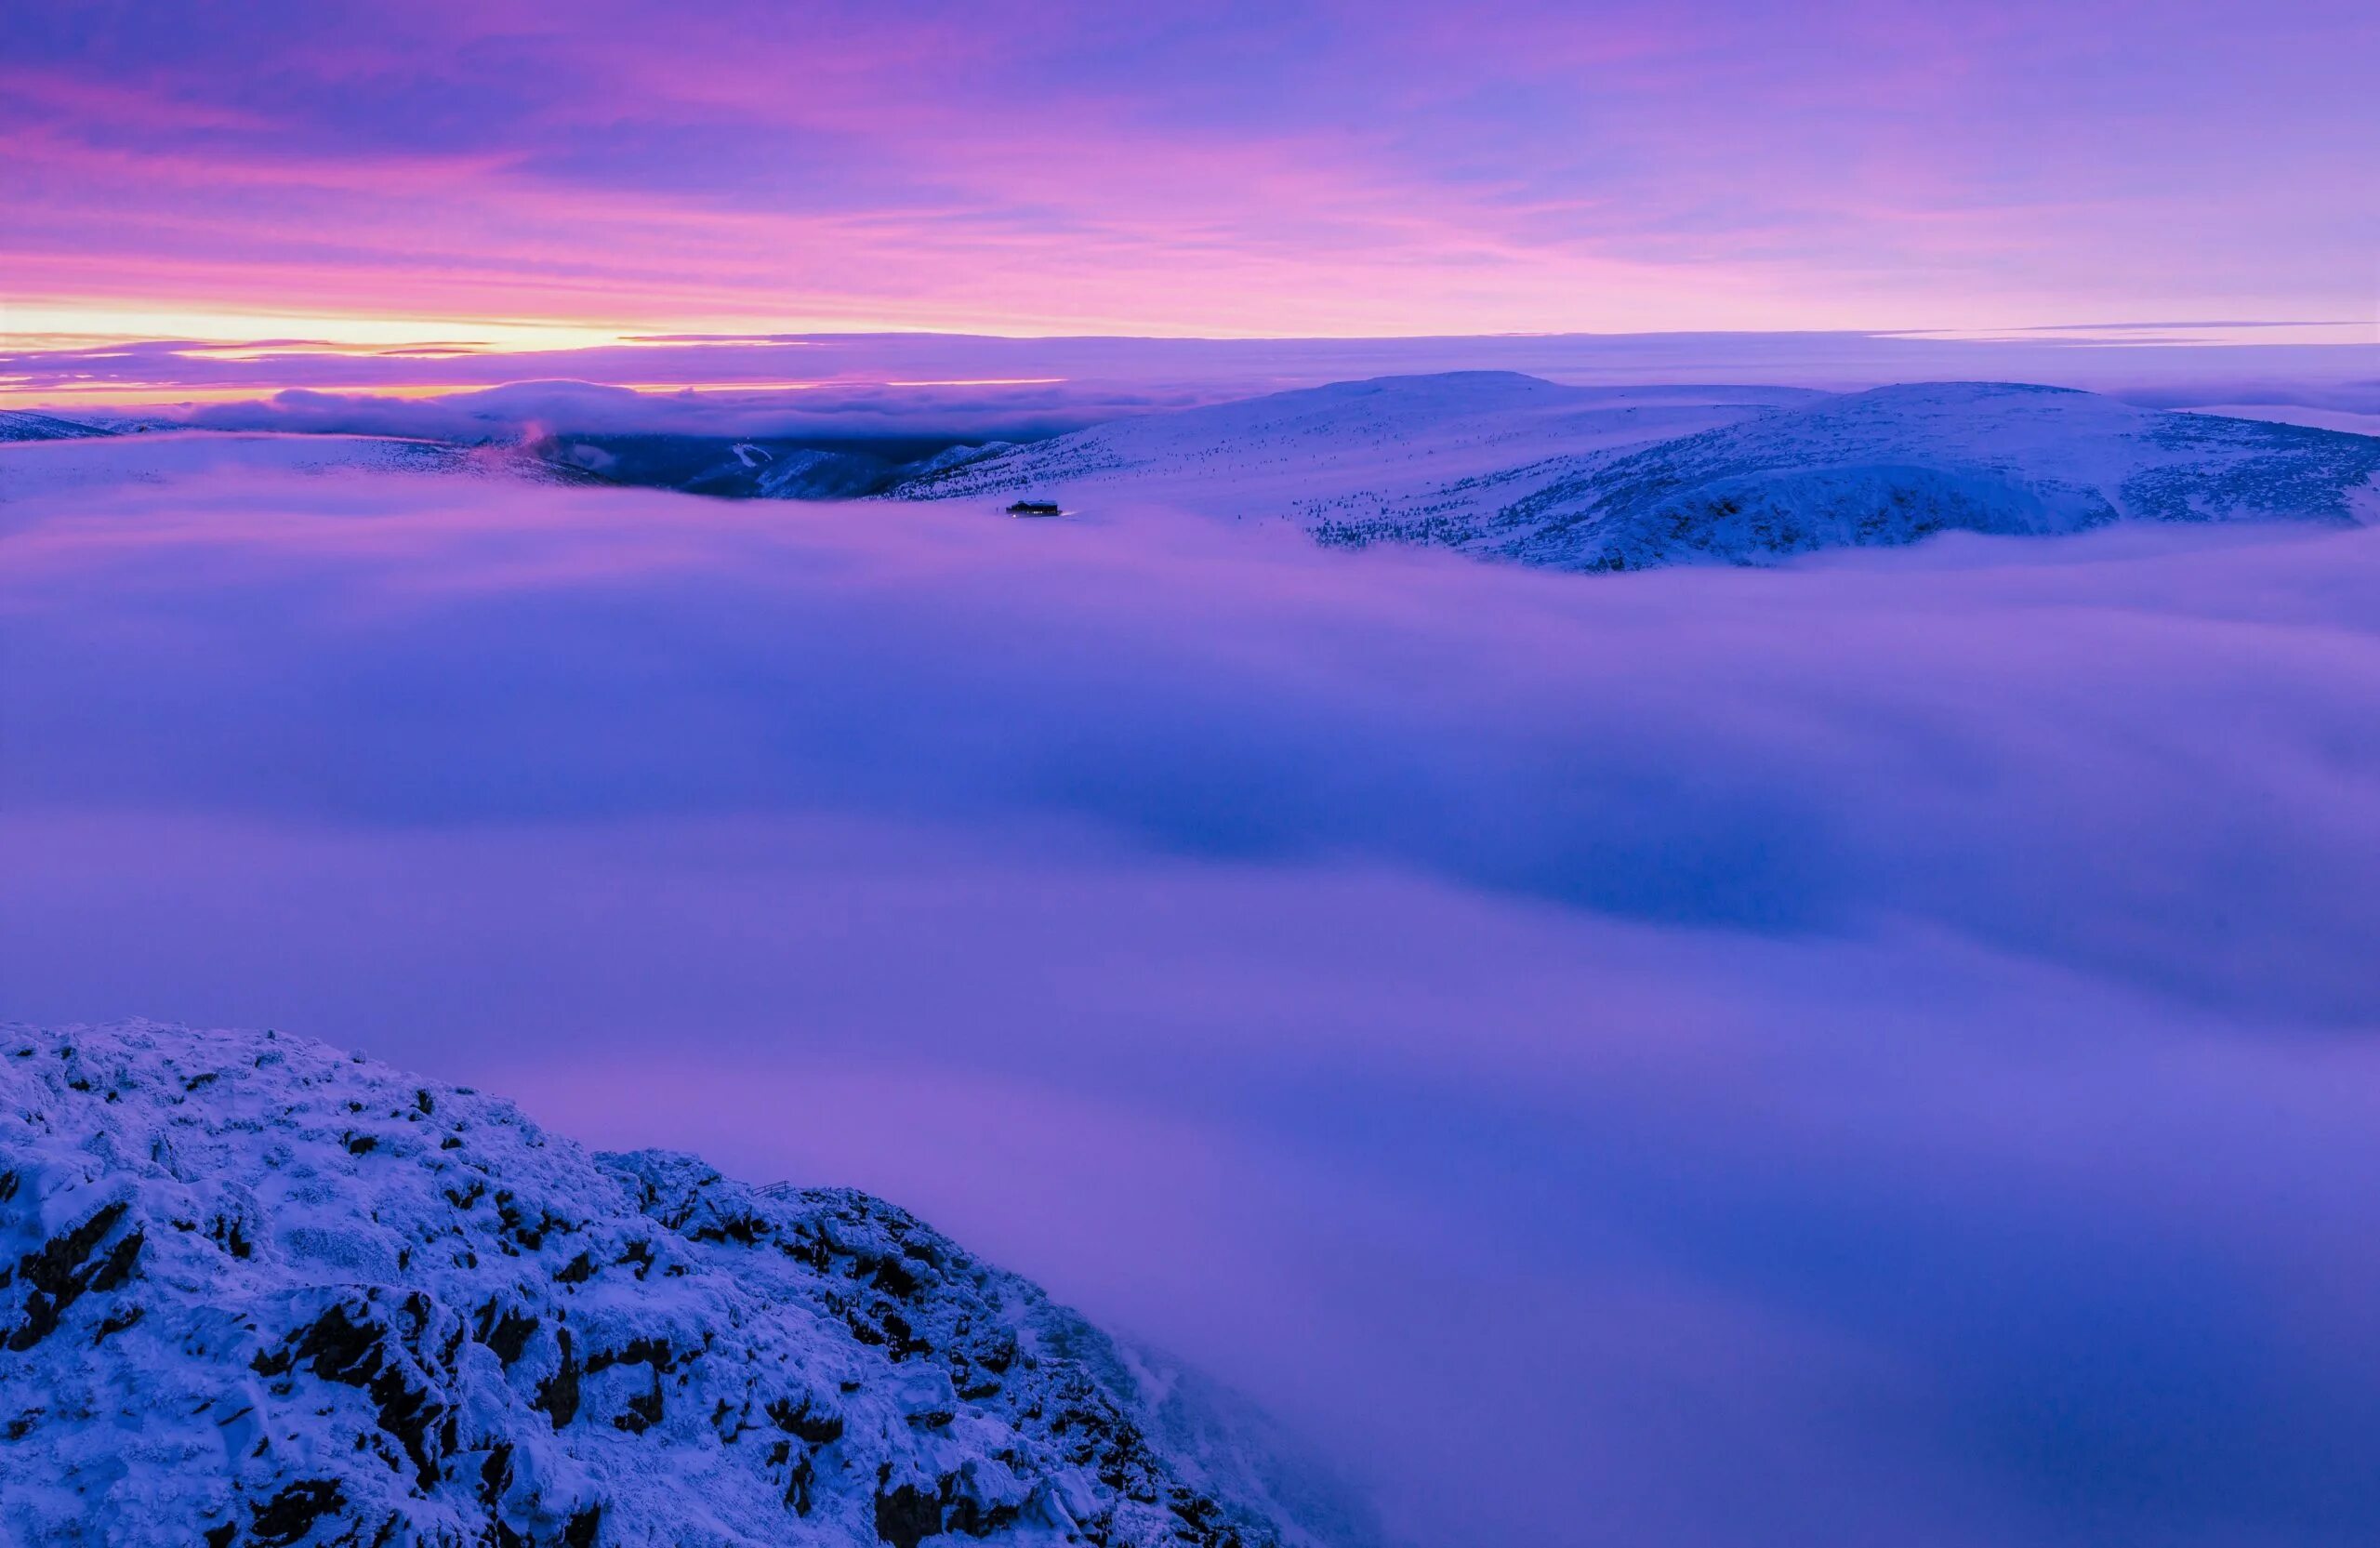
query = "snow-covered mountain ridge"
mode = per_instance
[
  {"x": 253, "y": 1291},
  {"x": 1581, "y": 478},
  {"x": 16, "y": 423},
  {"x": 1898, "y": 463},
  {"x": 1316, "y": 453}
]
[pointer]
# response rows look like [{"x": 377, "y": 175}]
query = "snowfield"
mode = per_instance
[
  {"x": 1318, "y": 454},
  {"x": 20, "y": 425},
  {"x": 258, "y": 1293},
  {"x": 1611, "y": 479}
]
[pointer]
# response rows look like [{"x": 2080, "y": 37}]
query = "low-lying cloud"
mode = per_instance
[
  {"x": 960, "y": 386},
  {"x": 523, "y": 410},
  {"x": 1871, "y": 1053}
]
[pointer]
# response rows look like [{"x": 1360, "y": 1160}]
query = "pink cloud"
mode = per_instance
[{"x": 1038, "y": 170}]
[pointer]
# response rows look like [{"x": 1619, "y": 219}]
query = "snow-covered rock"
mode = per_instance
[
  {"x": 253, "y": 1291},
  {"x": 1592, "y": 478}
]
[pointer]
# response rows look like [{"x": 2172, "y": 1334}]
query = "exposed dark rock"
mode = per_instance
[
  {"x": 357, "y": 1350},
  {"x": 56, "y": 1273},
  {"x": 290, "y": 1514},
  {"x": 814, "y": 1426},
  {"x": 495, "y": 1475},
  {"x": 506, "y": 1333},
  {"x": 907, "y": 1516},
  {"x": 558, "y": 1393},
  {"x": 643, "y": 1410},
  {"x": 583, "y": 1527}
]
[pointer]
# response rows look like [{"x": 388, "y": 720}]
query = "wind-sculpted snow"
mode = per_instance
[
  {"x": 1581, "y": 479},
  {"x": 256, "y": 1292}
]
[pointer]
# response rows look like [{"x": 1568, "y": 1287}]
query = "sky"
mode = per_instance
[
  {"x": 505, "y": 175},
  {"x": 1872, "y": 1052}
]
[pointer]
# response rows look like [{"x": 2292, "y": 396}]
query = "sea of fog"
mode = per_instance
[{"x": 1876, "y": 1053}]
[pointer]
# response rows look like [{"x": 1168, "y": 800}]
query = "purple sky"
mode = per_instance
[{"x": 524, "y": 175}]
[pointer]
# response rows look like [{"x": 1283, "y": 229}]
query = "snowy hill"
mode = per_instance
[
  {"x": 21, "y": 425},
  {"x": 1898, "y": 463},
  {"x": 253, "y": 1291},
  {"x": 1319, "y": 454},
  {"x": 1603, "y": 479}
]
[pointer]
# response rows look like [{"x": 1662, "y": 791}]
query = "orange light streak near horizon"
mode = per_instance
[{"x": 117, "y": 395}]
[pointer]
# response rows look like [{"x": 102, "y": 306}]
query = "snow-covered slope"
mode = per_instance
[
  {"x": 760, "y": 468},
  {"x": 1898, "y": 463},
  {"x": 41, "y": 466},
  {"x": 806, "y": 473},
  {"x": 1342, "y": 452},
  {"x": 17, "y": 424},
  {"x": 1603, "y": 478},
  {"x": 253, "y": 1291}
]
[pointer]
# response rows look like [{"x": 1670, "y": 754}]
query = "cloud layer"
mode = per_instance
[
  {"x": 946, "y": 385},
  {"x": 1872, "y": 1052}
]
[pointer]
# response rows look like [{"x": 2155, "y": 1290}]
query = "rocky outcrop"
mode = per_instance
[{"x": 257, "y": 1292}]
